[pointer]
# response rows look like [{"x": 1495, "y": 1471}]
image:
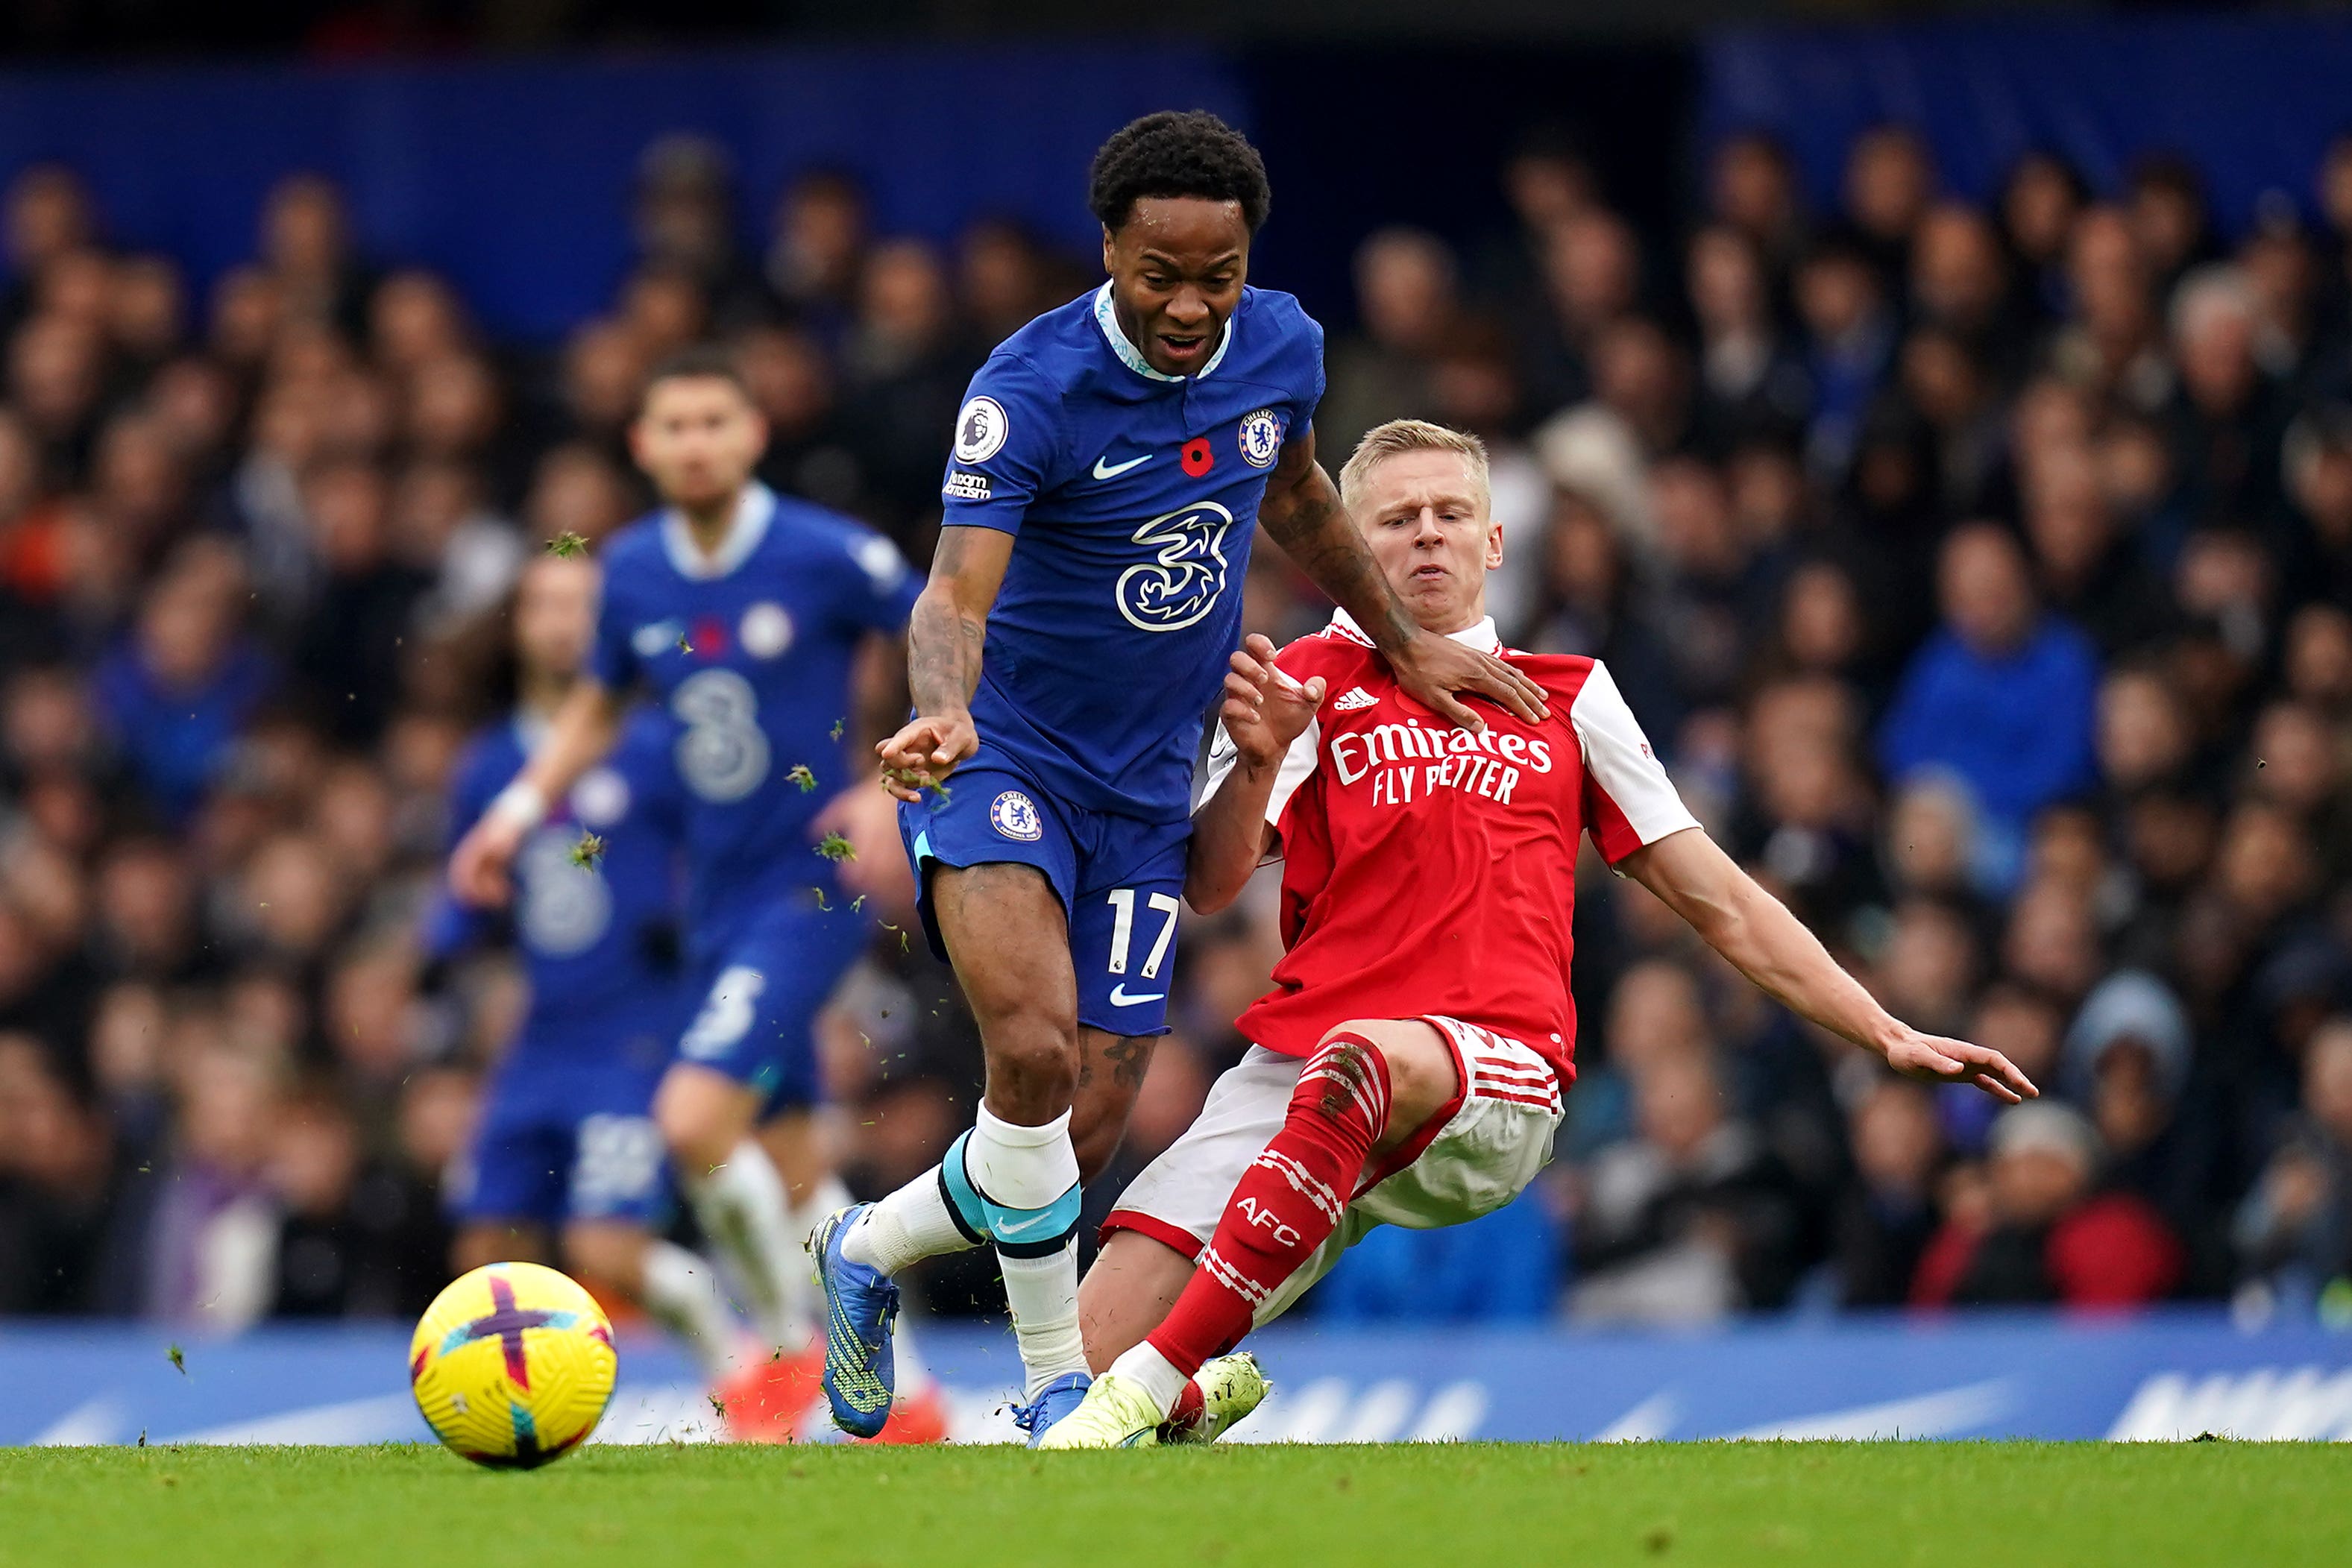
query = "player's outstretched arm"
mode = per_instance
[
  {"x": 580, "y": 735},
  {"x": 944, "y": 638},
  {"x": 1302, "y": 511},
  {"x": 1690, "y": 873},
  {"x": 1264, "y": 711}
]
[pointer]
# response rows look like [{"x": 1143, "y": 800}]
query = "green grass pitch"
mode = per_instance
[{"x": 1473, "y": 1504}]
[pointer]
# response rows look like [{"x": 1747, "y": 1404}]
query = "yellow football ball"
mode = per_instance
[{"x": 512, "y": 1364}]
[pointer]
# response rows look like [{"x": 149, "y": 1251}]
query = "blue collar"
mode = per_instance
[{"x": 1107, "y": 318}]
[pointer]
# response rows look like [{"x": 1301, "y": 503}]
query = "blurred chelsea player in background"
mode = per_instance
[
  {"x": 1106, "y": 472},
  {"x": 567, "y": 1151},
  {"x": 742, "y": 613}
]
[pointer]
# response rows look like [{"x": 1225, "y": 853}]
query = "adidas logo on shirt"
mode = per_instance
[{"x": 1352, "y": 699}]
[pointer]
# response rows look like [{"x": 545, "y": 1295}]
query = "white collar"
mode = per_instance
[
  {"x": 1107, "y": 318},
  {"x": 755, "y": 508},
  {"x": 1481, "y": 637}
]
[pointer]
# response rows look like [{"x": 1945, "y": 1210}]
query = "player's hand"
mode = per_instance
[
  {"x": 1932, "y": 1059},
  {"x": 1433, "y": 668},
  {"x": 478, "y": 866},
  {"x": 1264, "y": 709},
  {"x": 924, "y": 752}
]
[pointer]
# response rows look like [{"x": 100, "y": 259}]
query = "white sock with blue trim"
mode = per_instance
[
  {"x": 1029, "y": 1175},
  {"x": 899, "y": 1231},
  {"x": 1021, "y": 1167},
  {"x": 1044, "y": 1295}
]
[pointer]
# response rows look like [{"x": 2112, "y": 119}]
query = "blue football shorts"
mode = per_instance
[
  {"x": 1120, "y": 881},
  {"x": 765, "y": 967},
  {"x": 566, "y": 1130}
]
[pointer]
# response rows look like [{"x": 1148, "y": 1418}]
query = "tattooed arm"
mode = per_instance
[
  {"x": 943, "y": 643},
  {"x": 1303, "y": 513}
]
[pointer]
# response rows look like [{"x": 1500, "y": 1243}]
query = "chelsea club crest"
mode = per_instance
[
  {"x": 1261, "y": 438},
  {"x": 1015, "y": 816}
]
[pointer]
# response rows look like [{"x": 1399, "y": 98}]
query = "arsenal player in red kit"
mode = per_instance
[{"x": 1409, "y": 1062}]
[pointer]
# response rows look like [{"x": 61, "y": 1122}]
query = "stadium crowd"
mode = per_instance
[{"x": 1983, "y": 572}]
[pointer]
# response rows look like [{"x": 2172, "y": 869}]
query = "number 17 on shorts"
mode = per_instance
[{"x": 1123, "y": 943}]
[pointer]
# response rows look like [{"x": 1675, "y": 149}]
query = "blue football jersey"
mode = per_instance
[
  {"x": 749, "y": 652},
  {"x": 599, "y": 944},
  {"x": 1134, "y": 496}
]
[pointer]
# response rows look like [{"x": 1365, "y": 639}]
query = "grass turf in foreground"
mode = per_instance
[{"x": 2008, "y": 1503}]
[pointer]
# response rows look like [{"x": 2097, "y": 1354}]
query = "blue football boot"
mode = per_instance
[
  {"x": 860, "y": 1305},
  {"x": 1053, "y": 1401}
]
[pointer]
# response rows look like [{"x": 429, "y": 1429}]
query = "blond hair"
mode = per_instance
[{"x": 1402, "y": 435}]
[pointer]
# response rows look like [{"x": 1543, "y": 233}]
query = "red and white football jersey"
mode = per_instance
[{"x": 1427, "y": 870}]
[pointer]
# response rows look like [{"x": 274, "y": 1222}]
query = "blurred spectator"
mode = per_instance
[
  {"x": 147, "y": 920},
  {"x": 1546, "y": 181},
  {"x": 440, "y": 525},
  {"x": 1590, "y": 273},
  {"x": 2052, "y": 1236},
  {"x": 2111, "y": 343},
  {"x": 906, "y": 362},
  {"x": 2086, "y": 570},
  {"x": 2126, "y": 1065},
  {"x": 2227, "y": 423},
  {"x": 414, "y": 318},
  {"x": 1751, "y": 383},
  {"x": 46, "y": 215},
  {"x": 306, "y": 245},
  {"x": 215, "y": 1224},
  {"x": 1885, "y": 1217},
  {"x": 1589, "y": 603},
  {"x": 2040, "y": 201},
  {"x": 576, "y": 489},
  {"x": 179, "y": 689},
  {"x": 1689, "y": 1221},
  {"x": 1890, "y": 178},
  {"x": 348, "y": 651},
  {"x": 2010, "y": 1016},
  {"x": 815, "y": 261},
  {"x": 339, "y": 1251},
  {"x": 2318, "y": 470},
  {"x": 2001, "y": 695},
  {"x": 1848, "y": 346},
  {"x": 61, "y": 1186},
  {"x": 2295, "y": 1229},
  {"x": 683, "y": 220},
  {"x": 603, "y": 364},
  {"x": 1407, "y": 300},
  {"x": 2167, "y": 206},
  {"x": 1752, "y": 187},
  {"x": 1006, "y": 276}
]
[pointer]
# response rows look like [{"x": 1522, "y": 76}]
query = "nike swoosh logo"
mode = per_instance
[
  {"x": 1106, "y": 469},
  {"x": 1120, "y": 999},
  {"x": 1031, "y": 1223}
]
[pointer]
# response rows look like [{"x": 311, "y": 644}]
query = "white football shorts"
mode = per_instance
[{"x": 1479, "y": 1158}]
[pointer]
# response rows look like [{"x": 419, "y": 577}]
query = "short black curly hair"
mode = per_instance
[{"x": 1177, "y": 153}]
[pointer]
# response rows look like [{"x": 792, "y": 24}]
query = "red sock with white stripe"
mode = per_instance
[{"x": 1286, "y": 1205}]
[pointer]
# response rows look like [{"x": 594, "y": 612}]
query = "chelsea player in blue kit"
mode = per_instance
[
  {"x": 567, "y": 1153},
  {"x": 1106, "y": 472},
  {"x": 742, "y": 613}
]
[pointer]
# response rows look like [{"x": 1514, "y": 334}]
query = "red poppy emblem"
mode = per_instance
[{"x": 1197, "y": 458}]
